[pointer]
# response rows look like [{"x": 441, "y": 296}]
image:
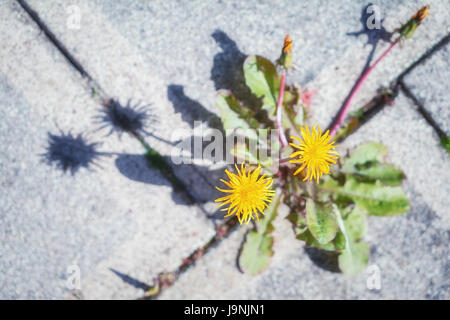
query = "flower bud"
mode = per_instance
[
  {"x": 285, "y": 59},
  {"x": 408, "y": 29}
]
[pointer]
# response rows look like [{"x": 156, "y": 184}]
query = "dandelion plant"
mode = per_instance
[{"x": 329, "y": 196}]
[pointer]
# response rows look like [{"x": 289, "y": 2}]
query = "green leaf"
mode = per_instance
[
  {"x": 312, "y": 242},
  {"x": 153, "y": 291},
  {"x": 321, "y": 221},
  {"x": 356, "y": 224},
  {"x": 263, "y": 80},
  {"x": 375, "y": 198},
  {"x": 341, "y": 225},
  {"x": 339, "y": 241},
  {"x": 242, "y": 111},
  {"x": 225, "y": 101},
  {"x": 256, "y": 253},
  {"x": 387, "y": 173},
  {"x": 337, "y": 244},
  {"x": 243, "y": 153},
  {"x": 265, "y": 224},
  {"x": 257, "y": 250},
  {"x": 302, "y": 233},
  {"x": 355, "y": 258},
  {"x": 445, "y": 143},
  {"x": 367, "y": 152}
]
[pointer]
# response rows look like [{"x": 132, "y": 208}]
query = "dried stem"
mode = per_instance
[{"x": 284, "y": 160}]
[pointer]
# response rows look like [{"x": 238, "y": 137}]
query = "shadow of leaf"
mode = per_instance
[
  {"x": 131, "y": 281},
  {"x": 190, "y": 109},
  {"x": 327, "y": 260},
  {"x": 135, "y": 167},
  {"x": 227, "y": 71}
]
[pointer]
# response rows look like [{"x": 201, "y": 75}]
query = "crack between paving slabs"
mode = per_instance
[
  {"x": 50, "y": 35},
  {"x": 420, "y": 107},
  {"x": 426, "y": 115},
  {"x": 443, "y": 42}
]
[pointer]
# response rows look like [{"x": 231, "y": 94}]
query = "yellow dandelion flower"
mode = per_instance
[
  {"x": 315, "y": 153},
  {"x": 248, "y": 193}
]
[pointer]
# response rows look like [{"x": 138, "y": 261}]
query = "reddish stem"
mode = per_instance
[
  {"x": 345, "y": 108},
  {"x": 281, "y": 134}
]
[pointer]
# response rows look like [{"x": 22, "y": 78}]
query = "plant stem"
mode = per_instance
[
  {"x": 346, "y": 107},
  {"x": 281, "y": 134},
  {"x": 284, "y": 160}
]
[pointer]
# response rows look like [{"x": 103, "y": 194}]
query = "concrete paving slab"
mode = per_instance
[
  {"x": 99, "y": 218},
  {"x": 409, "y": 251}
]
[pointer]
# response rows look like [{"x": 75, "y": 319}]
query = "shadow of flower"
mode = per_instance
[
  {"x": 125, "y": 118},
  {"x": 69, "y": 152}
]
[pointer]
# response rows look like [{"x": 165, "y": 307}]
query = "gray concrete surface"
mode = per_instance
[{"x": 174, "y": 56}]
